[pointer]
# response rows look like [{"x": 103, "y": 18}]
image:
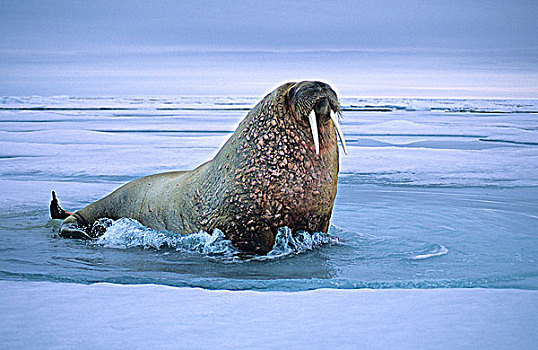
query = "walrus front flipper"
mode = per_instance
[{"x": 57, "y": 212}]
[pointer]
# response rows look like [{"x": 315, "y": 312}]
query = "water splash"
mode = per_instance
[
  {"x": 288, "y": 243},
  {"x": 128, "y": 233}
]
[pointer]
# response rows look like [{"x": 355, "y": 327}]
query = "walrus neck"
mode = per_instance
[{"x": 273, "y": 140}]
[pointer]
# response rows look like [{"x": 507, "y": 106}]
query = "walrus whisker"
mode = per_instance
[
  {"x": 339, "y": 131},
  {"x": 314, "y": 128}
]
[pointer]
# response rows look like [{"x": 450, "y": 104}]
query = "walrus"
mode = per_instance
[{"x": 279, "y": 168}]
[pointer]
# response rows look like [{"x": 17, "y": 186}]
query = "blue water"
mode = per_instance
[{"x": 433, "y": 194}]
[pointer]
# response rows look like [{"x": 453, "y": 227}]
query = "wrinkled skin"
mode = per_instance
[{"x": 266, "y": 176}]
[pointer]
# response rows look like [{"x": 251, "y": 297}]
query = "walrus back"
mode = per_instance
[{"x": 138, "y": 199}]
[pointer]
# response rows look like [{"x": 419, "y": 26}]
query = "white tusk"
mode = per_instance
[
  {"x": 339, "y": 131},
  {"x": 314, "y": 127}
]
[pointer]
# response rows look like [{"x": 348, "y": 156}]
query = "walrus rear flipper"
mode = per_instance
[
  {"x": 71, "y": 228},
  {"x": 57, "y": 212}
]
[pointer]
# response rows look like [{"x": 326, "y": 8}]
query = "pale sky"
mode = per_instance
[{"x": 160, "y": 47}]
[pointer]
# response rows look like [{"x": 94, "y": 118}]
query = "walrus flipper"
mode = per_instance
[
  {"x": 57, "y": 212},
  {"x": 70, "y": 228},
  {"x": 76, "y": 227}
]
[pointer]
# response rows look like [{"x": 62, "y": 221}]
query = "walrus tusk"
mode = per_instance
[
  {"x": 314, "y": 127},
  {"x": 339, "y": 131}
]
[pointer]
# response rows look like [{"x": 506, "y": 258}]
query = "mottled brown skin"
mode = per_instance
[{"x": 266, "y": 176}]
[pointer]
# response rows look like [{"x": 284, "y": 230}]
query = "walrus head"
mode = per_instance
[
  {"x": 279, "y": 168},
  {"x": 316, "y": 102}
]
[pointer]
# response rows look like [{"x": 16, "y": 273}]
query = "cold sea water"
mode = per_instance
[{"x": 435, "y": 193}]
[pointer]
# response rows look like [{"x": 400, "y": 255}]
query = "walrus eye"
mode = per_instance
[
  {"x": 338, "y": 131},
  {"x": 314, "y": 128}
]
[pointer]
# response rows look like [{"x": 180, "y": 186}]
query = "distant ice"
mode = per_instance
[
  {"x": 422, "y": 142},
  {"x": 185, "y": 102}
]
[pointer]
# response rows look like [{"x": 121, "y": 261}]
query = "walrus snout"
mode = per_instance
[{"x": 322, "y": 109}]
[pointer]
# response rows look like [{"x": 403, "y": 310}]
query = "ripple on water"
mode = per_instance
[{"x": 430, "y": 251}]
